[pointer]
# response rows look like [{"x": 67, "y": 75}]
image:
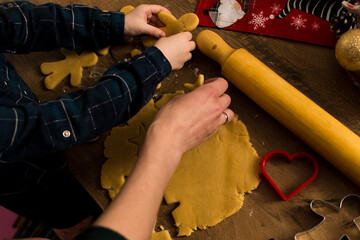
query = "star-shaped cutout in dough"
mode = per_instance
[{"x": 139, "y": 140}]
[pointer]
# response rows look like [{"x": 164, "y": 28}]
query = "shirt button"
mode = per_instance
[
  {"x": 66, "y": 133},
  {"x": 5, "y": 82},
  {"x": 25, "y": 92}
]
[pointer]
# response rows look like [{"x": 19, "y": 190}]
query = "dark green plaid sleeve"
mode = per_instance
[
  {"x": 33, "y": 129},
  {"x": 99, "y": 233},
  {"x": 25, "y": 27}
]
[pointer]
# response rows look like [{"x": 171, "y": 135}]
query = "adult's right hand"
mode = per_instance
[
  {"x": 177, "y": 48},
  {"x": 183, "y": 123},
  {"x": 191, "y": 119}
]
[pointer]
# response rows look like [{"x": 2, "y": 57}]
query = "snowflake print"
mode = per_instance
[
  {"x": 259, "y": 20},
  {"x": 315, "y": 26},
  {"x": 298, "y": 22},
  {"x": 275, "y": 8}
]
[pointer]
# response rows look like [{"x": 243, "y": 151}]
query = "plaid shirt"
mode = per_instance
[{"x": 30, "y": 128}]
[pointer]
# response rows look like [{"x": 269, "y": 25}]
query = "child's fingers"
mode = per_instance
[
  {"x": 156, "y": 22},
  {"x": 155, "y": 9},
  {"x": 154, "y": 31}
]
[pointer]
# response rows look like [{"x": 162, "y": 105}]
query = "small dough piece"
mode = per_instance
[
  {"x": 211, "y": 179},
  {"x": 72, "y": 65},
  {"x": 104, "y": 51},
  {"x": 94, "y": 139},
  {"x": 127, "y": 9},
  {"x": 162, "y": 235},
  {"x": 135, "y": 52},
  {"x": 199, "y": 82},
  {"x": 186, "y": 22}
]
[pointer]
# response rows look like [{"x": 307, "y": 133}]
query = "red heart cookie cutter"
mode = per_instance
[{"x": 290, "y": 158}]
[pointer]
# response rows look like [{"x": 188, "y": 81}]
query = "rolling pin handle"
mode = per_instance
[{"x": 213, "y": 46}]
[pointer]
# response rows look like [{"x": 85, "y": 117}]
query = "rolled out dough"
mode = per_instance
[{"x": 211, "y": 179}]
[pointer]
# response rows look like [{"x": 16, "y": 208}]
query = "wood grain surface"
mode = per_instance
[{"x": 311, "y": 69}]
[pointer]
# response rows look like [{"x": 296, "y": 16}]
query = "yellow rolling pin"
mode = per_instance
[{"x": 326, "y": 135}]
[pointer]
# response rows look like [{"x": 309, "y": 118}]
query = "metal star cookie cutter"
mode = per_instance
[{"x": 338, "y": 222}]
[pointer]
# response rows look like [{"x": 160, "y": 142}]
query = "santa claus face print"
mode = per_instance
[{"x": 225, "y": 13}]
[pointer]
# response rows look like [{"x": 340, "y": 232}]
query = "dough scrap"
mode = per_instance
[
  {"x": 186, "y": 22},
  {"x": 162, "y": 235},
  {"x": 127, "y": 9},
  {"x": 72, "y": 65},
  {"x": 135, "y": 52},
  {"x": 104, "y": 51},
  {"x": 199, "y": 82},
  {"x": 213, "y": 176}
]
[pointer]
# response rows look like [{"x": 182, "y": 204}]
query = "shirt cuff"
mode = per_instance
[
  {"x": 117, "y": 24},
  {"x": 159, "y": 60}
]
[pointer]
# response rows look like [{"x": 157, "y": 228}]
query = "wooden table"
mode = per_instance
[{"x": 311, "y": 69}]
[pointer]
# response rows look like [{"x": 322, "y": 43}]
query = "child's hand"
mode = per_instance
[
  {"x": 144, "y": 20},
  {"x": 177, "y": 48}
]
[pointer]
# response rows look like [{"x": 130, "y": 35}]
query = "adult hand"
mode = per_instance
[
  {"x": 144, "y": 20},
  {"x": 177, "y": 48},
  {"x": 183, "y": 123},
  {"x": 189, "y": 120}
]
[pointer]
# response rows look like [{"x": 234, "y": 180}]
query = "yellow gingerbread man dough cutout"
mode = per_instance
[
  {"x": 186, "y": 22},
  {"x": 104, "y": 51},
  {"x": 72, "y": 65},
  {"x": 211, "y": 179}
]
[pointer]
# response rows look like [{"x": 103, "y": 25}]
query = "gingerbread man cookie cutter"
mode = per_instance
[{"x": 339, "y": 222}]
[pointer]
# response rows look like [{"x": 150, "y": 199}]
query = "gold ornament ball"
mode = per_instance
[{"x": 347, "y": 50}]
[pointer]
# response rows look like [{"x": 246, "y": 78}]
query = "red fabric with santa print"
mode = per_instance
[{"x": 263, "y": 17}]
